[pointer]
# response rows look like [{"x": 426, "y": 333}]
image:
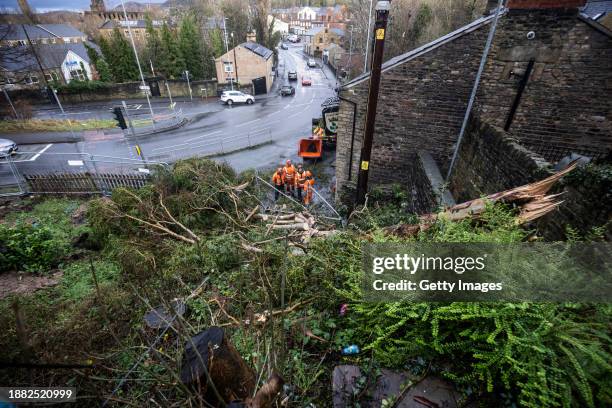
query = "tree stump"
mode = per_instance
[{"x": 211, "y": 351}]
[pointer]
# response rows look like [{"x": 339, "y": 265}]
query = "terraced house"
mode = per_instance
[
  {"x": 33, "y": 55},
  {"x": 544, "y": 95}
]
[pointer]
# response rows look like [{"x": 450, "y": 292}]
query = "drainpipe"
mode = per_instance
[
  {"x": 483, "y": 61},
  {"x": 350, "y": 167}
]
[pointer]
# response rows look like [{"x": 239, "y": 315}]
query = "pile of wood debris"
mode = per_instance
[{"x": 299, "y": 225}]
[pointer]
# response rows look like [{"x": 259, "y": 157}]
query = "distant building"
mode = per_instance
[
  {"x": 60, "y": 63},
  {"x": 279, "y": 25},
  {"x": 247, "y": 63},
  {"x": 302, "y": 19},
  {"x": 138, "y": 27},
  {"x": 12, "y": 35},
  {"x": 319, "y": 39},
  {"x": 98, "y": 9}
]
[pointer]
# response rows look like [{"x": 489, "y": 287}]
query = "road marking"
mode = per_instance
[
  {"x": 201, "y": 137},
  {"x": 44, "y": 149},
  {"x": 248, "y": 123}
]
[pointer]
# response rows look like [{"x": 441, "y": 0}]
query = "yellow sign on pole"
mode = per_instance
[
  {"x": 138, "y": 150},
  {"x": 365, "y": 165},
  {"x": 380, "y": 34}
]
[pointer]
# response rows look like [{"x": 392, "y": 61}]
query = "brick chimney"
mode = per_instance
[{"x": 544, "y": 4}]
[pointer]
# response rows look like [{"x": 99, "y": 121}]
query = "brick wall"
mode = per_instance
[
  {"x": 566, "y": 106},
  {"x": 490, "y": 160}
]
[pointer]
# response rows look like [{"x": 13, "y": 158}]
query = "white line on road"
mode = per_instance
[
  {"x": 201, "y": 137},
  {"x": 248, "y": 123},
  {"x": 44, "y": 149}
]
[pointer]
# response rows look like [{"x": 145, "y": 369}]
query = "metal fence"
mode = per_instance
[
  {"x": 72, "y": 173},
  {"x": 212, "y": 146}
]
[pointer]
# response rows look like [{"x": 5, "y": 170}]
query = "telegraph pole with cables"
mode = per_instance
[{"x": 380, "y": 27}]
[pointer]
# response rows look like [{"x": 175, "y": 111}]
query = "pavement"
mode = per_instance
[{"x": 273, "y": 123}]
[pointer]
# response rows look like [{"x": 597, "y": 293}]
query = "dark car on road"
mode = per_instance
[
  {"x": 292, "y": 75},
  {"x": 287, "y": 90}
]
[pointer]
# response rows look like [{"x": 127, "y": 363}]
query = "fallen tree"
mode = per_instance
[{"x": 531, "y": 199}]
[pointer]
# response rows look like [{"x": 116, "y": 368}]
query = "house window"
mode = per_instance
[
  {"x": 77, "y": 74},
  {"x": 67, "y": 40},
  {"x": 21, "y": 42},
  {"x": 51, "y": 77},
  {"x": 33, "y": 42},
  {"x": 53, "y": 41},
  {"x": 32, "y": 79},
  {"x": 44, "y": 41},
  {"x": 228, "y": 66},
  {"x": 320, "y": 40}
]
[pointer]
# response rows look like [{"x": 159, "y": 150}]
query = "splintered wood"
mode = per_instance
[
  {"x": 300, "y": 224},
  {"x": 531, "y": 199}
]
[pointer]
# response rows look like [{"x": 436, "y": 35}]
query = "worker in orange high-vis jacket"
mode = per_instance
[
  {"x": 278, "y": 181},
  {"x": 289, "y": 177},
  {"x": 308, "y": 187},
  {"x": 300, "y": 179}
]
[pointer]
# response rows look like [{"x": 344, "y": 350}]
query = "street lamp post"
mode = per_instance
[
  {"x": 138, "y": 61},
  {"x": 380, "y": 26},
  {"x": 227, "y": 51}
]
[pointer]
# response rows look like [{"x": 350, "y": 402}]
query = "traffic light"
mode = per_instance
[{"x": 118, "y": 113}]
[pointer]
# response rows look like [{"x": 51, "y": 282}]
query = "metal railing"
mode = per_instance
[
  {"x": 71, "y": 173},
  {"x": 213, "y": 146}
]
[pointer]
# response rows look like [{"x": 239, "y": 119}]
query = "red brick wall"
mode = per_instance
[{"x": 544, "y": 4}]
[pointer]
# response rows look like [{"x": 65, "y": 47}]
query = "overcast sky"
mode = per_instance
[{"x": 45, "y": 5}]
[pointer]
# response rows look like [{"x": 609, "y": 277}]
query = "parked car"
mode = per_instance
[
  {"x": 232, "y": 97},
  {"x": 287, "y": 90},
  {"x": 312, "y": 63},
  {"x": 293, "y": 38},
  {"x": 306, "y": 81},
  {"x": 284, "y": 46},
  {"x": 7, "y": 147},
  {"x": 292, "y": 76}
]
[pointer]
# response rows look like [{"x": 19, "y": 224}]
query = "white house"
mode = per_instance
[
  {"x": 307, "y": 14},
  {"x": 61, "y": 63},
  {"x": 279, "y": 25}
]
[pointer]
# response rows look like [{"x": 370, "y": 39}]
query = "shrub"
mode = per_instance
[{"x": 29, "y": 248}]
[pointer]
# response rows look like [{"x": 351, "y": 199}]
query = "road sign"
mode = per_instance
[{"x": 145, "y": 87}]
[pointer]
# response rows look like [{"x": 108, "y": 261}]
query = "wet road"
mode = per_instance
[{"x": 278, "y": 121}]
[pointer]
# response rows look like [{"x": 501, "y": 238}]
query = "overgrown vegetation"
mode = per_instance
[{"x": 280, "y": 304}]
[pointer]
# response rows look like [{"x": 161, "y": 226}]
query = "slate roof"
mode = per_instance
[
  {"x": 337, "y": 31},
  {"x": 51, "y": 56},
  {"x": 258, "y": 49},
  {"x": 16, "y": 31},
  {"x": 596, "y": 9},
  {"x": 400, "y": 59},
  {"x": 313, "y": 31}
]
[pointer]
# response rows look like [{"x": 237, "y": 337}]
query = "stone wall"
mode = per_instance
[
  {"x": 566, "y": 105},
  {"x": 490, "y": 160},
  {"x": 126, "y": 90},
  {"x": 421, "y": 105}
]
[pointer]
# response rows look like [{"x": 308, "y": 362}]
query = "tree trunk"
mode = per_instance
[{"x": 230, "y": 378}]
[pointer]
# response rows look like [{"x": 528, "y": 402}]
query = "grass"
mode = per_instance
[{"x": 62, "y": 125}]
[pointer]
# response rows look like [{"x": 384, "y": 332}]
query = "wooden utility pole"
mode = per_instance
[{"x": 380, "y": 27}]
